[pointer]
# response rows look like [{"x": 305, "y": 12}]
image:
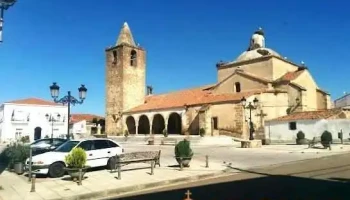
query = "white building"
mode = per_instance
[
  {"x": 82, "y": 124},
  {"x": 312, "y": 124},
  {"x": 32, "y": 117}
]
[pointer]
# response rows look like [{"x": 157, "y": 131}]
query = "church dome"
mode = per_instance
[
  {"x": 256, "y": 53},
  {"x": 256, "y": 47}
]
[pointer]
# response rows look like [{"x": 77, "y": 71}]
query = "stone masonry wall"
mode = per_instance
[{"x": 125, "y": 85}]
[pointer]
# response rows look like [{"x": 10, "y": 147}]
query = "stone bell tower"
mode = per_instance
[{"x": 125, "y": 79}]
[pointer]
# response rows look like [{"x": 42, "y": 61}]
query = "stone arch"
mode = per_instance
[
  {"x": 143, "y": 125},
  {"x": 131, "y": 125},
  {"x": 158, "y": 124},
  {"x": 174, "y": 123}
]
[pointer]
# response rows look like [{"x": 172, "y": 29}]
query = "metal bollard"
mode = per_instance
[
  {"x": 119, "y": 170},
  {"x": 206, "y": 161},
  {"x": 80, "y": 177},
  {"x": 30, "y": 164},
  {"x": 33, "y": 183},
  {"x": 152, "y": 167},
  {"x": 181, "y": 165}
]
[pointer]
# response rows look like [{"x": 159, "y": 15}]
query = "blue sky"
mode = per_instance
[{"x": 64, "y": 41}]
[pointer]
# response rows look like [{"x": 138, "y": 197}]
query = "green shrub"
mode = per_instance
[
  {"x": 202, "y": 132},
  {"x": 165, "y": 133},
  {"x": 326, "y": 137},
  {"x": 46, "y": 137},
  {"x": 183, "y": 149},
  {"x": 25, "y": 139},
  {"x": 76, "y": 158},
  {"x": 15, "y": 153},
  {"x": 300, "y": 135}
]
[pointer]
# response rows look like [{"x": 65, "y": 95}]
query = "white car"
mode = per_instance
[{"x": 99, "y": 153}]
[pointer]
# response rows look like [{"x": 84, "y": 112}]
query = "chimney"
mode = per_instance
[{"x": 149, "y": 90}]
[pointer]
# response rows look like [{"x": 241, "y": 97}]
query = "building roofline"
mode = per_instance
[
  {"x": 262, "y": 58},
  {"x": 341, "y": 97}
]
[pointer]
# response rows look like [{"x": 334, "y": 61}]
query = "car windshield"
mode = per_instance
[
  {"x": 42, "y": 141},
  {"x": 67, "y": 146}
]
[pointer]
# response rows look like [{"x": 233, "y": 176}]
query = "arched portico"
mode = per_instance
[
  {"x": 144, "y": 125},
  {"x": 158, "y": 124},
  {"x": 131, "y": 125},
  {"x": 174, "y": 123}
]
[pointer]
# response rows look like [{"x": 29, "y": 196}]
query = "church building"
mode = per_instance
[{"x": 260, "y": 75}]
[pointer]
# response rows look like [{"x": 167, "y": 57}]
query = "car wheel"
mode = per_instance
[
  {"x": 56, "y": 170},
  {"x": 110, "y": 163}
]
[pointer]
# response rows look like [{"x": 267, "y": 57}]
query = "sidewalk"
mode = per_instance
[{"x": 103, "y": 183}]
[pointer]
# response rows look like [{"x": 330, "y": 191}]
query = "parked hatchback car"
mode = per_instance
[
  {"x": 98, "y": 151},
  {"x": 44, "y": 145}
]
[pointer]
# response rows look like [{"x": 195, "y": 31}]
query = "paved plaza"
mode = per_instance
[{"x": 223, "y": 160}]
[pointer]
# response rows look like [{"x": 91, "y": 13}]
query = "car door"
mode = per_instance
[
  {"x": 115, "y": 149},
  {"x": 102, "y": 152},
  {"x": 91, "y": 156}
]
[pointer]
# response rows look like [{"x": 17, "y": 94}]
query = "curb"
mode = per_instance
[{"x": 119, "y": 191}]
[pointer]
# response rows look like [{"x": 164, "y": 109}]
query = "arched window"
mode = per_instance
[
  {"x": 133, "y": 58},
  {"x": 238, "y": 87}
]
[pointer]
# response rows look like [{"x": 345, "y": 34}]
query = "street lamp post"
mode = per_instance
[
  {"x": 68, "y": 99},
  {"x": 251, "y": 107},
  {"x": 51, "y": 119},
  {"x": 4, "y": 5}
]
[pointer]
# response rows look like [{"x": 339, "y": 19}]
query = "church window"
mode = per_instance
[
  {"x": 133, "y": 58},
  {"x": 292, "y": 126},
  {"x": 115, "y": 54},
  {"x": 215, "y": 123},
  {"x": 238, "y": 87}
]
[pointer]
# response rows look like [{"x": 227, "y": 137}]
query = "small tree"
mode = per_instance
[
  {"x": 183, "y": 150},
  {"x": 326, "y": 139},
  {"x": 301, "y": 138},
  {"x": 76, "y": 159}
]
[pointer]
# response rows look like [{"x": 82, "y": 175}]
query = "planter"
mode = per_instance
[
  {"x": 185, "y": 161},
  {"x": 74, "y": 172},
  {"x": 19, "y": 168},
  {"x": 326, "y": 144},
  {"x": 302, "y": 141},
  {"x": 150, "y": 142}
]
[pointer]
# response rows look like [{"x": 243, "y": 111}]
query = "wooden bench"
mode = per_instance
[
  {"x": 316, "y": 140},
  {"x": 136, "y": 157},
  {"x": 169, "y": 141}
]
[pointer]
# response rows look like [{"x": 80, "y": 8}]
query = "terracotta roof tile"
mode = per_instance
[
  {"x": 307, "y": 115},
  {"x": 87, "y": 117},
  {"x": 34, "y": 101},
  {"x": 190, "y": 97},
  {"x": 289, "y": 76}
]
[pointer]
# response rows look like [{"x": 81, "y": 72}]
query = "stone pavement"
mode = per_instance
[
  {"x": 103, "y": 183},
  {"x": 248, "y": 158}
]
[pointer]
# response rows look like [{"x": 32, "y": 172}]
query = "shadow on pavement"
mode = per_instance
[
  {"x": 270, "y": 187},
  {"x": 266, "y": 186}
]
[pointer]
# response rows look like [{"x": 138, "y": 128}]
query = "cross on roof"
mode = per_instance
[{"x": 188, "y": 193}]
